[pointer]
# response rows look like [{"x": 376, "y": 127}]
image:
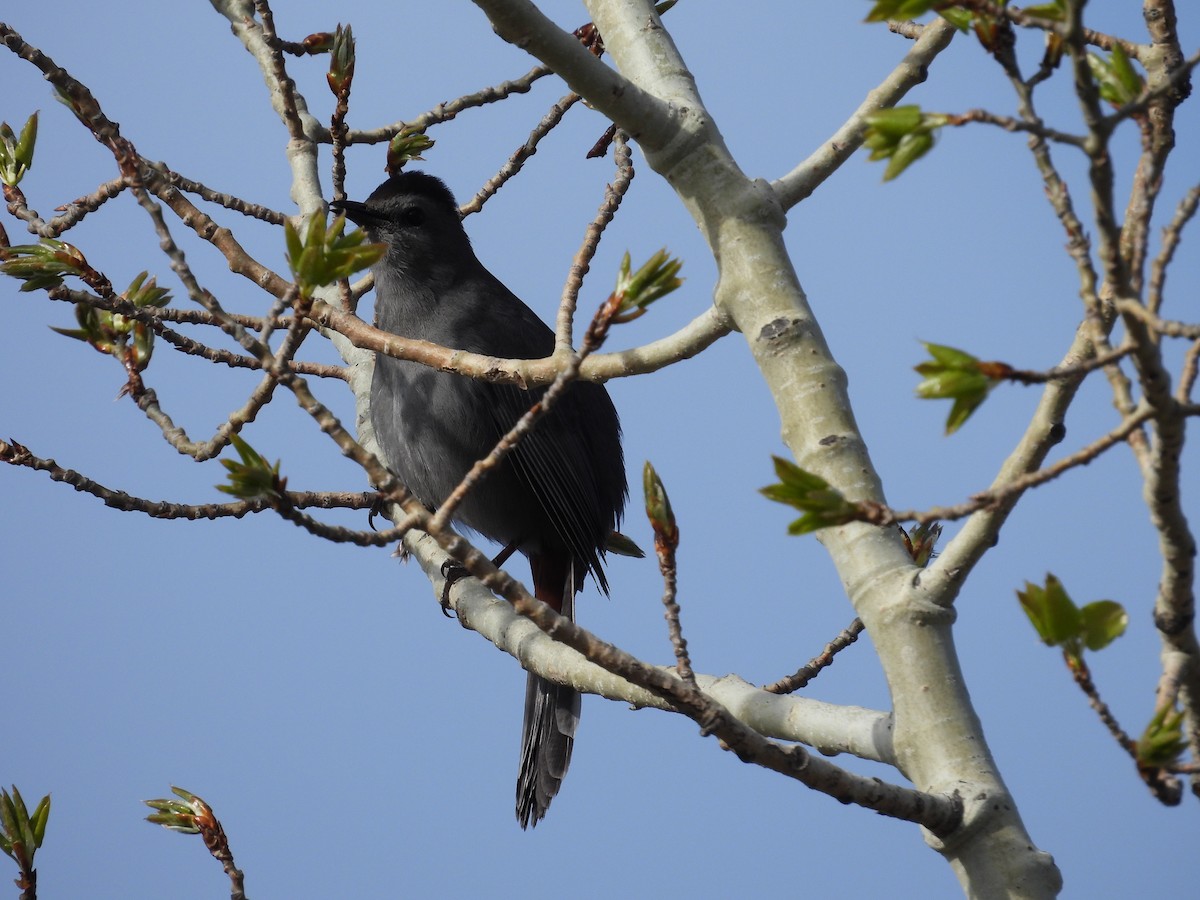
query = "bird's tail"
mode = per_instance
[{"x": 551, "y": 710}]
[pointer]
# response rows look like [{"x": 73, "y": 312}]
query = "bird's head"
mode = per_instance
[{"x": 415, "y": 215}]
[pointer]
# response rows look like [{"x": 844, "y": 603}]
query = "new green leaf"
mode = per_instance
[
  {"x": 656, "y": 278},
  {"x": 1162, "y": 743},
  {"x": 822, "y": 504},
  {"x": 406, "y": 146},
  {"x": 1060, "y": 623},
  {"x": 901, "y": 135},
  {"x": 323, "y": 254},
  {"x": 1118, "y": 80},
  {"x": 899, "y": 9},
  {"x": 16, "y": 153},
  {"x": 43, "y": 265},
  {"x": 953, "y": 374},
  {"x": 253, "y": 477},
  {"x": 1054, "y": 615},
  {"x": 658, "y": 507},
  {"x": 1103, "y": 622},
  {"x": 20, "y": 833}
]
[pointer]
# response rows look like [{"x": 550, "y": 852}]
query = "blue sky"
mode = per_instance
[{"x": 356, "y": 743}]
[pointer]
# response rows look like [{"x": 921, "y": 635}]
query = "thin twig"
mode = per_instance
[
  {"x": 184, "y": 344},
  {"x": 75, "y": 211},
  {"x": 1172, "y": 233},
  {"x": 614, "y": 192},
  {"x": 1058, "y": 373},
  {"x": 1014, "y": 125},
  {"x": 16, "y": 454},
  {"x": 1024, "y": 19},
  {"x": 444, "y": 112},
  {"x": 153, "y": 314},
  {"x": 1164, "y": 327},
  {"x": 666, "y": 543},
  {"x": 823, "y": 660},
  {"x": 517, "y": 160},
  {"x": 337, "y": 132},
  {"x": 1187, "y": 375},
  {"x": 1165, "y": 786},
  {"x": 507, "y": 443},
  {"x": 881, "y": 515},
  {"x": 230, "y": 202}
]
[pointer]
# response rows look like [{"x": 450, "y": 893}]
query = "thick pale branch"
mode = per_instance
[
  {"x": 285, "y": 99},
  {"x": 660, "y": 687},
  {"x": 830, "y": 728},
  {"x": 938, "y": 742},
  {"x": 647, "y": 119},
  {"x": 701, "y": 332},
  {"x": 828, "y": 158}
]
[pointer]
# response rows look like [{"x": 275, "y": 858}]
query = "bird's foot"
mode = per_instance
[
  {"x": 452, "y": 571},
  {"x": 378, "y": 508}
]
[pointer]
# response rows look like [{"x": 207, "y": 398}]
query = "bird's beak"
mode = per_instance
[{"x": 354, "y": 211}]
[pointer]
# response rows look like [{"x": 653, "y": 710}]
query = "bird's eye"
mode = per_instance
[{"x": 412, "y": 216}]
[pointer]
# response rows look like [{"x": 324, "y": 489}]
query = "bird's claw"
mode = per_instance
[
  {"x": 378, "y": 508},
  {"x": 452, "y": 571}
]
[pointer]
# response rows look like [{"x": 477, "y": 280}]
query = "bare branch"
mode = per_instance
[
  {"x": 648, "y": 119},
  {"x": 808, "y": 672},
  {"x": 799, "y": 183},
  {"x": 1003, "y": 495},
  {"x": 520, "y": 155},
  {"x": 1172, "y": 234},
  {"x": 479, "y": 611},
  {"x": 16, "y": 454},
  {"x": 236, "y": 204},
  {"x": 444, "y": 112},
  {"x": 1012, "y": 125},
  {"x": 700, "y": 333},
  {"x": 614, "y": 192}
]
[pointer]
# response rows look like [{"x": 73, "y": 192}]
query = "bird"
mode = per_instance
[{"x": 555, "y": 498}]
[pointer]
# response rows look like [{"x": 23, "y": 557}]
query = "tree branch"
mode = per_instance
[{"x": 911, "y": 71}]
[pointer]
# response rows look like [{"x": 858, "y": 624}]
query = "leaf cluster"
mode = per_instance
[
  {"x": 658, "y": 507},
  {"x": 21, "y": 834},
  {"x": 1163, "y": 741},
  {"x": 16, "y": 153},
  {"x": 406, "y": 146},
  {"x": 952, "y": 374},
  {"x": 43, "y": 265},
  {"x": 252, "y": 477},
  {"x": 341, "y": 60},
  {"x": 1117, "y": 79},
  {"x": 822, "y": 504},
  {"x": 656, "y": 278},
  {"x": 176, "y": 816},
  {"x": 901, "y": 135},
  {"x": 111, "y": 332},
  {"x": 323, "y": 254},
  {"x": 1060, "y": 623}
]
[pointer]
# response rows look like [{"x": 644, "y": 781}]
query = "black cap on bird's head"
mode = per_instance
[
  {"x": 401, "y": 191},
  {"x": 414, "y": 214}
]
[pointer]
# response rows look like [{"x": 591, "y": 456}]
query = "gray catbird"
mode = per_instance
[{"x": 556, "y": 497}]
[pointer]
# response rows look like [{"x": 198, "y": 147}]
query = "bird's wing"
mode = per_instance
[{"x": 567, "y": 492}]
